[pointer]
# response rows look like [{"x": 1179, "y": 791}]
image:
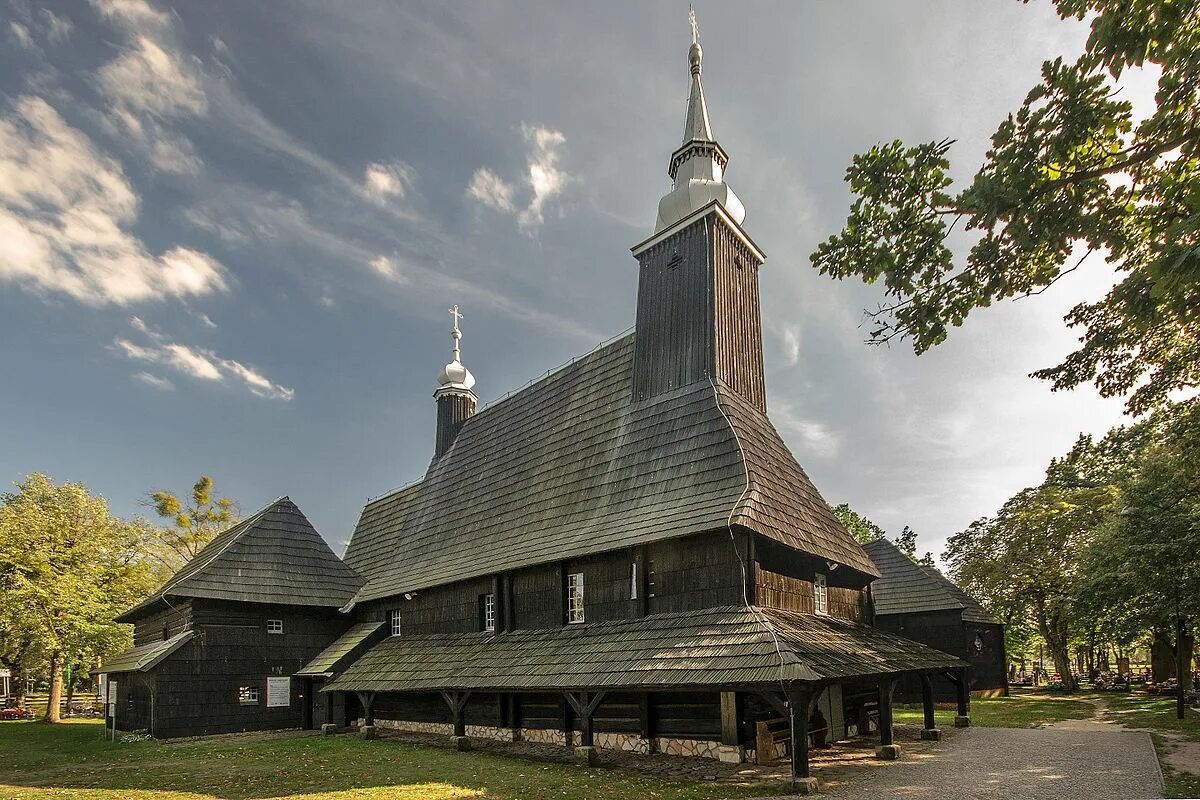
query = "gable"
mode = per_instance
[{"x": 906, "y": 587}]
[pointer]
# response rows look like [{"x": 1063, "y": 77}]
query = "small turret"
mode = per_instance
[{"x": 455, "y": 400}]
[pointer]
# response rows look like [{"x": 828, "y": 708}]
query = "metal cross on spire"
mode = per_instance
[{"x": 456, "y": 333}]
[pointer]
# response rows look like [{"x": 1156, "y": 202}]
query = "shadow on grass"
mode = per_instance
[{"x": 75, "y": 761}]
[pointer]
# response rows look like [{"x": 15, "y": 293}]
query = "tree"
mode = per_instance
[
  {"x": 1026, "y": 559},
  {"x": 1145, "y": 562},
  {"x": 194, "y": 525},
  {"x": 1069, "y": 171},
  {"x": 68, "y": 568},
  {"x": 861, "y": 528}
]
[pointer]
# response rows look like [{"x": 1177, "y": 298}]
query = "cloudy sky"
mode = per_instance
[{"x": 229, "y": 232}]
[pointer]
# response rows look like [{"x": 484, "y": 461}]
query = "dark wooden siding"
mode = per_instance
[
  {"x": 698, "y": 314},
  {"x": 453, "y": 409},
  {"x": 135, "y": 700},
  {"x": 696, "y": 572},
  {"x": 674, "y": 317},
  {"x": 196, "y": 688},
  {"x": 163, "y": 624},
  {"x": 946, "y": 631},
  {"x": 737, "y": 346}
]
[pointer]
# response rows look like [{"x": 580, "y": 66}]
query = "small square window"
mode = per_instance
[
  {"x": 820, "y": 594},
  {"x": 274, "y": 626},
  {"x": 394, "y": 619},
  {"x": 489, "y": 612},
  {"x": 248, "y": 695},
  {"x": 575, "y": 597}
]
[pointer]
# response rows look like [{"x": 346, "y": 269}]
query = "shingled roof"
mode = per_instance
[
  {"x": 273, "y": 556},
  {"x": 571, "y": 466},
  {"x": 727, "y": 646},
  {"x": 144, "y": 657},
  {"x": 907, "y": 587},
  {"x": 343, "y": 649}
]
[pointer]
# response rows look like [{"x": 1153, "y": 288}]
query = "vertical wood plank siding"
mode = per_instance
[
  {"x": 788, "y": 593},
  {"x": 452, "y": 411},
  {"x": 698, "y": 314}
]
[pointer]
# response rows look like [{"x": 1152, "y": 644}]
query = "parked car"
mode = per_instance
[{"x": 16, "y": 713}]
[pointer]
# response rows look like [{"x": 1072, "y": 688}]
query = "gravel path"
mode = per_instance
[{"x": 1095, "y": 764}]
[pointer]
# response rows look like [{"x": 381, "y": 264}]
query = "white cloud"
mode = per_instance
[
  {"x": 198, "y": 363},
  {"x": 65, "y": 208},
  {"x": 543, "y": 178},
  {"x": 490, "y": 189},
  {"x": 791, "y": 343},
  {"x": 154, "y": 381},
  {"x": 384, "y": 182},
  {"x": 149, "y": 83},
  {"x": 21, "y": 35},
  {"x": 388, "y": 268},
  {"x": 817, "y": 438}
]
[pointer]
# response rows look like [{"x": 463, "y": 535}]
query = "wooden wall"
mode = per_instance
[
  {"x": 163, "y": 624},
  {"x": 787, "y": 593},
  {"x": 681, "y": 575},
  {"x": 196, "y": 689},
  {"x": 948, "y": 632}
]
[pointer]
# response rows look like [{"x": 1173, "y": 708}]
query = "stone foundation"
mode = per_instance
[{"x": 624, "y": 742}]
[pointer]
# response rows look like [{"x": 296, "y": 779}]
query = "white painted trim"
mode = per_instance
[{"x": 713, "y": 207}]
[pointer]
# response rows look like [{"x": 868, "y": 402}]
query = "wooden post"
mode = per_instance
[
  {"x": 368, "y": 701},
  {"x": 329, "y": 696},
  {"x": 307, "y": 715},
  {"x": 927, "y": 701},
  {"x": 797, "y": 708},
  {"x": 645, "y": 717},
  {"x": 585, "y": 705},
  {"x": 964, "y": 694},
  {"x": 457, "y": 702},
  {"x": 731, "y": 718},
  {"x": 886, "y": 734}
]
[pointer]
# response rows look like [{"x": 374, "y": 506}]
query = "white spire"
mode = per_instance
[
  {"x": 698, "y": 166},
  {"x": 454, "y": 375}
]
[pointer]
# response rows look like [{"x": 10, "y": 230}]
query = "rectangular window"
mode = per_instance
[
  {"x": 575, "y": 597},
  {"x": 633, "y": 581},
  {"x": 820, "y": 594},
  {"x": 274, "y": 626},
  {"x": 248, "y": 695},
  {"x": 394, "y": 618},
  {"x": 489, "y": 612}
]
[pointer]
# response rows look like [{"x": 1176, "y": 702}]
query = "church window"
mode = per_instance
[
  {"x": 248, "y": 695},
  {"x": 633, "y": 581},
  {"x": 394, "y": 619},
  {"x": 820, "y": 594},
  {"x": 489, "y": 612},
  {"x": 274, "y": 626},
  {"x": 575, "y": 597}
]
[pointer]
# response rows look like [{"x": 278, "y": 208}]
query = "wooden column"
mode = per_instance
[
  {"x": 457, "y": 701},
  {"x": 886, "y": 734},
  {"x": 584, "y": 705},
  {"x": 797, "y": 715},
  {"x": 731, "y": 718},
  {"x": 645, "y": 716},
  {"x": 927, "y": 701},
  {"x": 307, "y": 687},
  {"x": 964, "y": 699},
  {"x": 368, "y": 701}
]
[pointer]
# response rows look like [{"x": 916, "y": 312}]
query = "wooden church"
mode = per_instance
[{"x": 623, "y": 555}]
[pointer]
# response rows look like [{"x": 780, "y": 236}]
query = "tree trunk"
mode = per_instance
[
  {"x": 56, "y": 685},
  {"x": 1162, "y": 656},
  {"x": 1059, "y": 649},
  {"x": 1189, "y": 646}
]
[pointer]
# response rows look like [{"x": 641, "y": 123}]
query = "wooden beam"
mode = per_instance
[
  {"x": 775, "y": 700},
  {"x": 887, "y": 687},
  {"x": 645, "y": 716},
  {"x": 798, "y": 701},
  {"x": 731, "y": 718},
  {"x": 927, "y": 701}
]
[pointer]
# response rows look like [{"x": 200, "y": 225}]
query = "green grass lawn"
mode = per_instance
[
  {"x": 72, "y": 760},
  {"x": 1018, "y": 711}
]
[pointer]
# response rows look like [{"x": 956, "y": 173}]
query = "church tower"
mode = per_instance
[
  {"x": 455, "y": 400},
  {"x": 698, "y": 303}
]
